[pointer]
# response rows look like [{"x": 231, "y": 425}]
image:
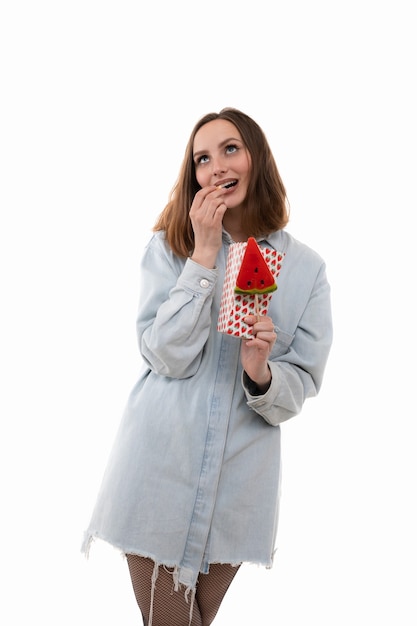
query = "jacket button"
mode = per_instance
[{"x": 204, "y": 283}]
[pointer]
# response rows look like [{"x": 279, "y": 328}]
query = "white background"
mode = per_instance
[{"x": 97, "y": 102}]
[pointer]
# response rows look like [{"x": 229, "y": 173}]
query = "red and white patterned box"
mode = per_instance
[{"x": 235, "y": 306}]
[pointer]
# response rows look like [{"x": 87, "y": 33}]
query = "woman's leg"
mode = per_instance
[
  {"x": 168, "y": 607},
  {"x": 211, "y": 589},
  {"x": 171, "y": 608}
]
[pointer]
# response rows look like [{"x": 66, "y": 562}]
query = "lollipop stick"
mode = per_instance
[{"x": 257, "y": 311}]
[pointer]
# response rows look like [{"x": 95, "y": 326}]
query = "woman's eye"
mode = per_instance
[
  {"x": 202, "y": 159},
  {"x": 231, "y": 148}
]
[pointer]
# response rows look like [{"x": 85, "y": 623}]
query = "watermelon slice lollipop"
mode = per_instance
[{"x": 254, "y": 276}]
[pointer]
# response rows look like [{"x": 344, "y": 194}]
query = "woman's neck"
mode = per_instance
[{"x": 232, "y": 224}]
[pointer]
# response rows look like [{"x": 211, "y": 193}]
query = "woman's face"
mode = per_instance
[{"x": 221, "y": 158}]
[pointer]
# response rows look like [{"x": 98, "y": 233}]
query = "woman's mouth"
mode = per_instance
[{"x": 227, "y": 185}]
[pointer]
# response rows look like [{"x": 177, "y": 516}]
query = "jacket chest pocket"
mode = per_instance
[{"x": 282, "y": 344}]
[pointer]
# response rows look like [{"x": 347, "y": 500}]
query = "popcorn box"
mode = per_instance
[{"x": 235, "y": 306}]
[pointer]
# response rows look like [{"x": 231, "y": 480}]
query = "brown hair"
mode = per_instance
[{"x": 266, "y": 203}]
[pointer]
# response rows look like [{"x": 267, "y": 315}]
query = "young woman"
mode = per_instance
[{"x": 191, "y": 489}]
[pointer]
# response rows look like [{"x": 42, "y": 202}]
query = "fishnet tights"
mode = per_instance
[{"x": 171, "y": 608}]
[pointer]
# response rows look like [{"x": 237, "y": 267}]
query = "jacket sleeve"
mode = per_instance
[
  {"x": 298, "y": 360},
  {"x": 174, "y": 317}
]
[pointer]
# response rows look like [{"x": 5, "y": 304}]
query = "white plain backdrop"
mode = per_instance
[{"x": 97, "y": 102}]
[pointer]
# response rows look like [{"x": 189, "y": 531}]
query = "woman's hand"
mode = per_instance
[
  {"x": 206, "y": 215},
  {"x": 255, "y": 352}
]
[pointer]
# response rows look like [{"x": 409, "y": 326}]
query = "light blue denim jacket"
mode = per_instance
[{"x": 194, "y": 474}]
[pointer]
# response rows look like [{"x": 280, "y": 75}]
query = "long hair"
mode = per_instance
[{"x": 266, "y": 205}]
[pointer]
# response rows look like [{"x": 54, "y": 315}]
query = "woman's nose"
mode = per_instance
[{"x": 219, "y": 167}]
